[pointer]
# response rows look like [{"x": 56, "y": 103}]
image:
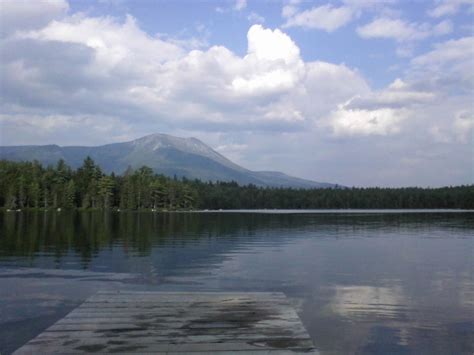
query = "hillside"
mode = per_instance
[{"x": 165, "y": 154}]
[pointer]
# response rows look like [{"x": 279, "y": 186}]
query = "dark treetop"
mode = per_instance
[{"x": 30, "y": 185}]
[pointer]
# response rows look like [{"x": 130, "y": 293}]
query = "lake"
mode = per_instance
[{"x": 365, "y": 282}]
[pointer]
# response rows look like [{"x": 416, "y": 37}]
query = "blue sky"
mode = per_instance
[
  {"x": 353, "y": 92},
  {"x": 228, "y": 27}
]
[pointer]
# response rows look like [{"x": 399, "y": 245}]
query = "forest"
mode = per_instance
[{"x": 25, "y": 185}]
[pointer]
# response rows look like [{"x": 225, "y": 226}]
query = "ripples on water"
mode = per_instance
[{"x": 369, "y": 283}]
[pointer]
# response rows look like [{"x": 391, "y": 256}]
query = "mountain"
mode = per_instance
[{"x": 163, "y": 153}]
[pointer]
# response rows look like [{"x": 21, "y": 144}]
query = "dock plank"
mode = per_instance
[{"x": 177, "y": 323}]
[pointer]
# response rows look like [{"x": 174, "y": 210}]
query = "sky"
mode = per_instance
[{"x": 354, "y": 92}]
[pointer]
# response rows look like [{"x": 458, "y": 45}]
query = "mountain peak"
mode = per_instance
[
  {"x": 157, "y": 141},
  {"x": 165, "y": 154},
  {"x": 167, "y": 140}
]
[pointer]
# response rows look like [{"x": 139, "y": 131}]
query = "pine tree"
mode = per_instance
[
  {"x": 11, "y": 199},
  {"x": 70, "y": 195},
  {"x": 157, "y": 194},
  {"x": 105, "y": 190},
  {"x": 34, "y": 193}
]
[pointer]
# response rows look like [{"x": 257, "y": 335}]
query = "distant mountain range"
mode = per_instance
[{"x": 163, "y": 153}]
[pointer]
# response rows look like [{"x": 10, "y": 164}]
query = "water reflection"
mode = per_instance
[
  {"x": 369, "y": 301},
  {"x": 362, "y": 283}
]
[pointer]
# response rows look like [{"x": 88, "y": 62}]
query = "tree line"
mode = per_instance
[
  {"x": 225, "y": 195},
  {"x": 30, "y": 185}
]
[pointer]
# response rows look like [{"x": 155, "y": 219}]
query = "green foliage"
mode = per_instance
[
  {"x": 225, "y": 195},
  {"x": 106, "y": 186},
  {"x": 30, "y": 185}
]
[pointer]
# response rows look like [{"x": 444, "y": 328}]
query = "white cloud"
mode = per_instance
[
  {"x": 381, "y": 121},
  {"x": 448, "y": 66},
  {"x": 253, "y": 17},
  {"x": 274, "y": 62},
  {"x": 28, "y": 128},
  {"x": 112, "y": 42},
  {"x": 325, "y": 17},
  {"x": 240, "y": 5},
  {"x": 323, "y": 90},
  {"x": 128, "y": 83},
  {"x": 443, "y": 28},
  {"x": 448, "y": 7},
  {"x": 464, "y": 126},
  {"x": 446, "y": 53},
  {"x": 232, "y": 151},
  {"x": 275, "y": 45},
  {"x": 396, "y": 29},
  {"x": 406, "y": 34},
  {"x": 329, "y": 17},
  {"x": 435, "y": 97},
  {"x": 124, "y": 71},
  {"x": 288, "y": 10},
  {"x": 369, "y": 4},
  {"x": 22, "y": 14},
  {"x": 398, "y": 94},
  {"x": 405, "y": 50}
]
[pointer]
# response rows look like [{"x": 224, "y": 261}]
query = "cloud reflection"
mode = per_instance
[{"x": 357, "y": 301}]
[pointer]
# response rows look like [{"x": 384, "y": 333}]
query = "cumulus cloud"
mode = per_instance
[
  {"x": 78, "y": 79},
  {"x": 435, "y": 97},
  {"x": 113, "y": 43},
  {"x": 380, "y": 112},
  {"x": 22, "y": 14},
  {"x": 383, "y": 121},
  {"x": 121, "y": 71},
  {"x": 398, "y": 94},
  {"x": 274, "y": 62}
]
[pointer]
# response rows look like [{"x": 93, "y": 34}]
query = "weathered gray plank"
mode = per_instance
[
  {"x": 290, "y": 342},
  {"x": 163, "y": 312},
  {"x": 171, "y": 336},
  {"x": 143, "y": 326},
  {"x": 192, "y": 294},
  {"x": 174, "y": 322},
  {"x": 191, "y": 297},
  {"x": 224, "y": 301},
  {"x": 235, "y": 312},
  {"x": 165, "y": 321},
  {"x": 84, "y": 345}
]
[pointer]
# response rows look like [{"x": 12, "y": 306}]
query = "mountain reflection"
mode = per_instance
[
  {"x": 85, "y": 234},
  {"x": 362, "y": 283}
]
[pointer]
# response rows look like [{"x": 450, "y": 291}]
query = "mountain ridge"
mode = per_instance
[{"x": 165, "y": 154}]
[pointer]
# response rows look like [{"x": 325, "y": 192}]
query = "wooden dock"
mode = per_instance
[{"x": 177, "y": 322}]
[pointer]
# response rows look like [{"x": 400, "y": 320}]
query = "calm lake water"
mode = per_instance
[{"x": 365, "y": 283}]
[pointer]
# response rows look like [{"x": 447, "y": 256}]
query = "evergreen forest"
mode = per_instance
[{"x": 25, "y": 185}]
